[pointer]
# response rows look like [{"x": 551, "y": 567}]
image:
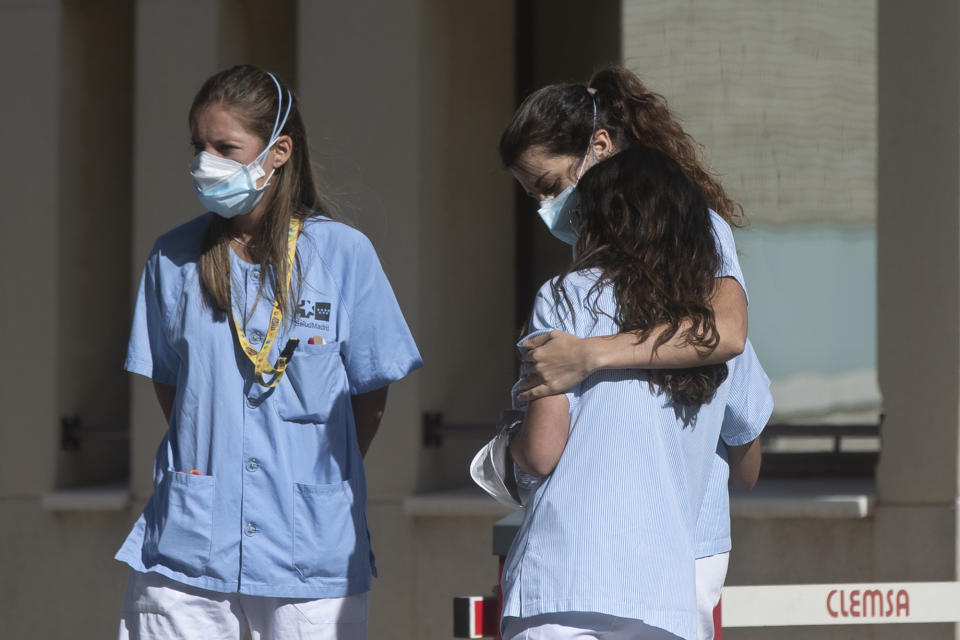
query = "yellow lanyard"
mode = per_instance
[{"x": 259, "y": 358}]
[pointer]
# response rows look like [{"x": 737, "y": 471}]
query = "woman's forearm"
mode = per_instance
[
  {"x": 538, "y": 445},
  {"x": 730, "y": 314},
  {"x": 557, "y": 361}
]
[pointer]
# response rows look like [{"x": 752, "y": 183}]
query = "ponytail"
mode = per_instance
[{"x": 633, "y": 115}]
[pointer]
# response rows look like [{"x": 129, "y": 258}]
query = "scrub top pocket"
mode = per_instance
[
  {"x": 180, "y": 522},
  {"x": 325, "y": 531},
  {"x": 312, "y": 383}
]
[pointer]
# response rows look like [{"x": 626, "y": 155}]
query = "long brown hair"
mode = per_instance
[
  {"x": 644, "y": 226},
  {"x": 252, "y": 98},
  {"x": 559, "y": 119}
]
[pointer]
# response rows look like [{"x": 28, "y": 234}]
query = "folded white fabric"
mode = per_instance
[{"x": 492, "y": 467}]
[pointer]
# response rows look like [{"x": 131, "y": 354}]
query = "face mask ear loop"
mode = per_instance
[
  {"x": 277, "y": 123},
  {"x": 591, "y": 147},
  {"x": 594, "y": 132}
]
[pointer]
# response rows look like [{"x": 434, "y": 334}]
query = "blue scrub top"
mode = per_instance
[
  {"x": 749, "y": 405},
  {"x": 612, "y": 529},
  {"x": 634, "y": 498},
  {"x": 748, "y": 409},
  {"x": 278, "y": 507}
]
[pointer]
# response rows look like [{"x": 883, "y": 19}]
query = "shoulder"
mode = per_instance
[
  {"x": 182, "y": 244},
  {"x": 573, "y": 302},
  {"x": 576, "y": 286},
  {"x": 333, "y": 242},
  {"x": 721, "y": 228}
]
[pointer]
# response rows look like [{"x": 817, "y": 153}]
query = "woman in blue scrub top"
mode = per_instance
[
  {"x": 559, "y": 132},
  {"x": 271, "y": 335},
  {"x": 606, "y": 548}
]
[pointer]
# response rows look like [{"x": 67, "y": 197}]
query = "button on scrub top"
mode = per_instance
[{"x": 276, "y": 504}]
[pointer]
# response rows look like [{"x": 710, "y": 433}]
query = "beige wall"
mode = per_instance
[
  {"x": 30, "y": 262},
  {"x": 801, "y": 551},
  {"x": 782, "y": 93},
  {"x": 94, "y": 227}
]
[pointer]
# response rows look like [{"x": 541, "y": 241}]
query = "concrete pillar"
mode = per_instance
[
  {"x": 176, "y": 50},
  {"x": 30, "y": 73},
  {"x": 363, "y": 121},
  {"x": 360, "y": 104},
  {"x": 919, "y": 293},
  {"x": 96, "y": 94}
]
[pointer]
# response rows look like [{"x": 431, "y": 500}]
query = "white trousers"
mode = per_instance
[
  {"x": 580, "y": 625},
  {"x": 157, "y": 608},
  {"x": 711, "y": 572}
]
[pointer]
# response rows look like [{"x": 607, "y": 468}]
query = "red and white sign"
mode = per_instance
[
  {"x": 475, "y": 617},
  {"x": 831, "y": 604}
]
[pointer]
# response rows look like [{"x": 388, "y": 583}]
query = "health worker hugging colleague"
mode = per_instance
[
  {"x": 271, "y": 335},
  {"x": 559, "y": 134}
]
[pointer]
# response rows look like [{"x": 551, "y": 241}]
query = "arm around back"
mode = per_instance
[{"x": 558, "y": 361}]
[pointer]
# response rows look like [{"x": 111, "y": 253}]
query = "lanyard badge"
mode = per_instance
[{"x": 266, "y": 374}]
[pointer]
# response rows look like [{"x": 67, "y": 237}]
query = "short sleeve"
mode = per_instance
[
  {"x": 379, "y": 348},
  {"x": 750, "y": 403},
  {"x": 149, "y": 352},
  {"x": 544, "y": 318},
  {"x": 727, "y": 248}
]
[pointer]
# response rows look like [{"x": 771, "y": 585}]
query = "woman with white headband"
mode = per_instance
[{"x": 271, "y": 334}]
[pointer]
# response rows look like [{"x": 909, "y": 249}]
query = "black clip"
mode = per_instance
[{"x": 290, "y": 347}]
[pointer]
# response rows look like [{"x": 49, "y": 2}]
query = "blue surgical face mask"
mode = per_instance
[
  {"x": 227, "y": 187},
  {"x": 559, "y": 212},
  {"x": 556, "y": 214}
]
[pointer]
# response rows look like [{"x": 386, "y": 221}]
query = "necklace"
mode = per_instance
[{"x": 242, "y": 243}]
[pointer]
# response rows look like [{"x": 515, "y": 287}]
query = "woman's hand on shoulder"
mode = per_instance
[{"x": 553, "y": 363}]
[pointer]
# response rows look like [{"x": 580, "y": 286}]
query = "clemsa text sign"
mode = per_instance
[
  {"x": 832, "y": 604},
  {"x": 868, "y": 603}
]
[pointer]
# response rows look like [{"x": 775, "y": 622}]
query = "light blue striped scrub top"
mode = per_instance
[
  {"x": 746, "y": 416},
  {"x": 612, "y": 530},
  {"x": 749, "y": 406},
  {"x": 748, "y": 410}
]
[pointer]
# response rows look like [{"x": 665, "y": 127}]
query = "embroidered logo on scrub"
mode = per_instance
[{"x": 313, "y": 314}]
